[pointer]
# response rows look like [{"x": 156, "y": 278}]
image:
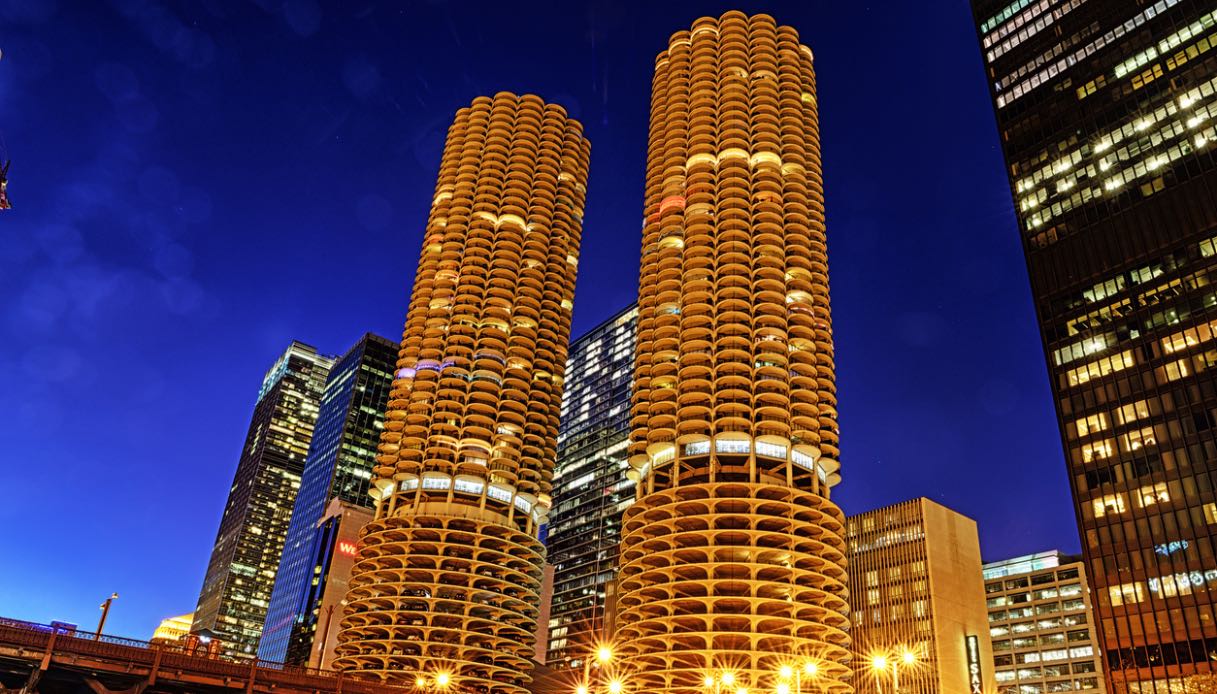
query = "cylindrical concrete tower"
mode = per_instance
[
  {"x": 733, "y": 557},
  {"x": 449, "y": 574}
]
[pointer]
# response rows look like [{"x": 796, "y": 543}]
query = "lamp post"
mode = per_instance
[
  {"x": 601, "y": 681},
  {"x": 105, "y": 612},
  {"x": 880, "y": 662},
  {"x": 809, "y": 669},
  {"x": 724, "y": 683},
  {"x": 440, "y": 683}
]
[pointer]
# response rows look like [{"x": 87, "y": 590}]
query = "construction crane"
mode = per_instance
[{"x": 4, "y": 203}]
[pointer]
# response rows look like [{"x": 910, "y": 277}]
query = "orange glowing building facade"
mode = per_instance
[
  {"x": 733, "y": 557},
  {"x": 447, "y": 587}
]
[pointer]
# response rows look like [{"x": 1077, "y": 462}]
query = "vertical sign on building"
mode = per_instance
[{"x": 973, "y": 645}]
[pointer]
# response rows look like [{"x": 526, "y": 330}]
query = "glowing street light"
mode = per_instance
[
  {"x": 880, "y": 662},
  {"x": 604, "y": 654},
  {"x": 809, "y": 669},
  {"x": 615, "y": 687}
]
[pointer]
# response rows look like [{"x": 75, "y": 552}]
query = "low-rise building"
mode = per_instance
[
  {"x": 1042, "y": 626},
  {"x": 917, "y": 601}
]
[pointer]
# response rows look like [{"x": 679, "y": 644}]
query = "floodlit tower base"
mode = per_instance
[{"x": 733, "y": 578}]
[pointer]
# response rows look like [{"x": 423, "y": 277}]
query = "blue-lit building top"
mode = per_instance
[
  {"x": 339, "y": 466},
  {"x": 590, "y": 486}
]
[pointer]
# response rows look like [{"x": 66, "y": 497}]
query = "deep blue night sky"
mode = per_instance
[{"x": 197, "y": 184}]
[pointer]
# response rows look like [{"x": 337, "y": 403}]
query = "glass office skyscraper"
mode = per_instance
[
  {"x": 339, "y": 466},
  {"x": 241, "y": 573},
  {"x": 1106, "y": 114},
  {"x": 591, "y": 489}
]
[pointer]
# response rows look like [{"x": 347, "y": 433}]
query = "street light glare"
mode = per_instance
[
  {"x": 728, "y": 678},
  {"x": 604, "y": 654},
  {"x": 615, "y": 687},
  {"x": 879, "y": 662},
  {"x": 708, "y": 681},
  {"x": 786, "y": 672},
  {"x": 582, "y": 689},
  {"x": 810, "y": 668},
  {"x": 909, "y": 657},
  {"x": 783, "y": 688},
  {"x": 420, "y": 682},
  {"x": 442, "y": 679}
]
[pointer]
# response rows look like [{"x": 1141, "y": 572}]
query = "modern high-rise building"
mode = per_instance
[
  {"x": 447, "y": 586},
  {"x": 1106, "y": 115},
  {"x": 917, "y": 599},
  {"x": 1042, "y": 626},
  {"x": 733, "y": 556},
  {"x": 339, "y": 466},
  {"x": 241, "y": 573},
  {"x": 591, "y": 488}
]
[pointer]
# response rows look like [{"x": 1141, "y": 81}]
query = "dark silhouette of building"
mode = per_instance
[
  {"x": 236, "y": 590},
  {"x": 1106, "y": 115}
]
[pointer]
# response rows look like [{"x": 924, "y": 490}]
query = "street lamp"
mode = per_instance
[
  {"x": 602, "y": 680},
  {"x": 809, "y": 669},
  {"x": 105, "y": 612},
  {"x": 880, "y": 662},
  {"x": 440, "y": 683}
]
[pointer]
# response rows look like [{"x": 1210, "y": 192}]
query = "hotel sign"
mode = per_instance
[{"x": 973, "y": 648}]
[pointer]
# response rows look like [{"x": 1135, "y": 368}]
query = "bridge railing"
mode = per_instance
[{"x": 174, "y": 655}]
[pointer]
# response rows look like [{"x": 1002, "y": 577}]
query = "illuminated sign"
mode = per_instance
[
  {"x": 1168, "y": 548},
  {"x": 348, "y": 548},
  {"x": 973, "y": 646}
]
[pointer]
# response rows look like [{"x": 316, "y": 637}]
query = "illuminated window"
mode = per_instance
[
  {"x": 1085, "y": 348},
  {"x": 1210, "y": 513},
  {"x": 1138, "y": 439},
  {"x": 1132, "y": 412},
  {"x": 1186, "y": 338},
  {"x": 1153, "y": 494},
  {"x": 1208, "y": 247},
  {"x": 1097, "y": 450},
  {"x": 1126, "y": 594},
  {"x": 1173, "y": 371},
  {"x": 1100, "y": 367},
  {"x": 1093, "y": 423},
  {"x": 1110, "y": 504},
  {"x": 872, "y": 596}
]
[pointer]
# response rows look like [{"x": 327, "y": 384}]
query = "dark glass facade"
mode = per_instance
[
  {"x": 590, "y": 486},
  {"x": 236, "y": 590},
  {"x": 1106, "y": 115},
  {"x": 339, "y": 466}
]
